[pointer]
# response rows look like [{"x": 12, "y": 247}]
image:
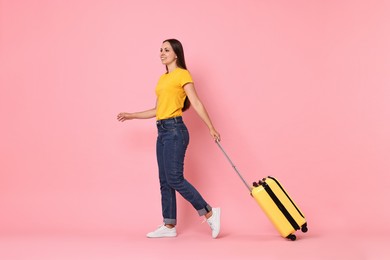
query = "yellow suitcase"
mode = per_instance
[
  {"x": 279, "y": 207},
  {"x": 276, "y": 203}
]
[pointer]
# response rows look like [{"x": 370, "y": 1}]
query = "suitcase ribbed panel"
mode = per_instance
[
  {"x": 273, "y": 213},
  {"x": 281, "y": 207},
  {"x": 281, "y": 187}
]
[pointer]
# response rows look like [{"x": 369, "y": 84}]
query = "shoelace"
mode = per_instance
[
  {"x": 209, "y": 222},
  {"x": 159, "y": 227}
]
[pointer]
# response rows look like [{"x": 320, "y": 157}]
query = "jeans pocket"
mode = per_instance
[{"x": 168, "y": 126}]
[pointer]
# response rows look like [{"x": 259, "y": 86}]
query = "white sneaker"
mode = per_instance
[
  {"x": 162, "y": 231},
  {"x": 215, "y": 222}
]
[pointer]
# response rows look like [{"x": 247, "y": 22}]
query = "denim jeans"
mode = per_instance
[{"x": 172, "y": 142}]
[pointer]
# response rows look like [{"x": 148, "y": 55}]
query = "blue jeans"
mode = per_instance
[{"x": 172, "y": 142}]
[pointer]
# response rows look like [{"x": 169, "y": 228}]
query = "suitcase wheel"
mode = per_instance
[
  {"x": 292, "y": 237},
  {"x": 304, "y": 228}
]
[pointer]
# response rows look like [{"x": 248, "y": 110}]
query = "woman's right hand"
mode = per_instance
[
  {"x": 123, "y": 116},
  {"x": 214, "y": 134}
]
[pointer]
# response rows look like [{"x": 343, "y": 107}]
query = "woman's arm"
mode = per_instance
[
  {"x": 150, "y": 113},
  {"x": 200, "y": 109}
]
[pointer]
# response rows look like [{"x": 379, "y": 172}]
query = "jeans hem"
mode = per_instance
[
  {"x": 169, "y": 221},
  {"x": 205, "y": 210}
]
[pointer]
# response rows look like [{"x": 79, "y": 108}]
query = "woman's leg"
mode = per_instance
[
  {"x": 168, "y": 200},
  {"x": 168, "y": 194}
]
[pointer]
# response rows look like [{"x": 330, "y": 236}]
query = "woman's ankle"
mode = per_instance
[{"x": 208, "y": 214}]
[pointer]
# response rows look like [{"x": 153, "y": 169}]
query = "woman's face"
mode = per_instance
[{"x": 167, "y": 55}]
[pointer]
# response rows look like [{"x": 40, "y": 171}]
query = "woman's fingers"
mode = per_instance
[{"x": 121, "y": 117}]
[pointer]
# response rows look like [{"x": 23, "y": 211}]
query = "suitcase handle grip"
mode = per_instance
[{"x": 232, "y": 164}]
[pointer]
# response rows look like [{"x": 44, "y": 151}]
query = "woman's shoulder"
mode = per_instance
[{"x": 182, "y": 71}]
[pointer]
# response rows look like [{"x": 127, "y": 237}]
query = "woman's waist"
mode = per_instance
[
  {"x": 172, "y": 120},
  {"x": 170, "y": 124},
  {"x": 168, "y": 114}
]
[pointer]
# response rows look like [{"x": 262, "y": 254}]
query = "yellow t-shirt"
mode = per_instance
[{"x": 170, "y": 93}]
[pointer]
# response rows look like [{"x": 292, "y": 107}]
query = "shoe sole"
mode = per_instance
[{"x": 168, "y": 235}]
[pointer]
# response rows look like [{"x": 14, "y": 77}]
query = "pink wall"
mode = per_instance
[{"x": 297, "y": 89}]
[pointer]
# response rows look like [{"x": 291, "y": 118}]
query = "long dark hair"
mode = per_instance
[{"x": 181, "y": 63}]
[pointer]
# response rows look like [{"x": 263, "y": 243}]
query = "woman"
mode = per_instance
[{"x": 175, "y": 91}]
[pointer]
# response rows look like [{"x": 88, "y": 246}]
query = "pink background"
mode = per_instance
[{"x": 297, "y": 89}]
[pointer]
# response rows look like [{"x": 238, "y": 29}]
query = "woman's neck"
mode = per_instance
[{"x": 171, "y": 67}]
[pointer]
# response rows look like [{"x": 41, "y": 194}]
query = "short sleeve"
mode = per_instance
[{"x": 185, "y": 77}]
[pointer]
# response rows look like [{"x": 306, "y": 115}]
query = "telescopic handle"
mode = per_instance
[{"x": 232, "y": 164}]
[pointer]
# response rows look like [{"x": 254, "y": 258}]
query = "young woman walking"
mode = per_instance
[{"x": 175, "y": 92}]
